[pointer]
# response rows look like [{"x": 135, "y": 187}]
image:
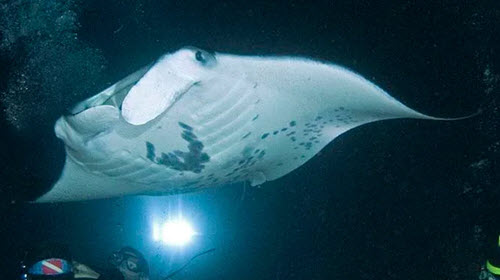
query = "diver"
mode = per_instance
[
  {"x": 130, "y": 263},
  {"x": 47, "y": 261},
  {"x": 53, "y": 261},
  {"x": 491, "y": 269},
  {"x": 124, "y": 264}
]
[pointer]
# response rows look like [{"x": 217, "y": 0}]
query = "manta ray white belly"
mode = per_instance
[{"x": 214, "y": 120}]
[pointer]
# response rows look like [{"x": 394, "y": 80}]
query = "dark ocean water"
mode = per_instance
[{"x": 400, "y": 199}]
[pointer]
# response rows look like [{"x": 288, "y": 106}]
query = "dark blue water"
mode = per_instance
[{"x": 401, "y": 199}]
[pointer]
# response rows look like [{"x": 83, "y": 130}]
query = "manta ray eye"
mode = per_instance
[
  {"x": 200, "y": 57},
  {"x": 204, "y": 58}
]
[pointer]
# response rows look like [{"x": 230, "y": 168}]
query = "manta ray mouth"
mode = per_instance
[
  {"x": 142, "y": 96},
  {"x": 114, "y": 95},
  {"x": 116, "y": 100},
  {"x": 104, "y": 98}
]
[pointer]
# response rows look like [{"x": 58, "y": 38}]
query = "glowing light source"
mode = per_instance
[
  {"x": 174, "y": 232},
  {"x": 156, "y": 232}
]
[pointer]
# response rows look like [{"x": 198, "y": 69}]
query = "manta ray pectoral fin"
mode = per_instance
[
  {"x": 478, "y": 112},
  {"x": 77, "y": 184}
]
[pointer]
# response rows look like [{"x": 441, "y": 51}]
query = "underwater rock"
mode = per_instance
[{"x": 40, "y": 40}]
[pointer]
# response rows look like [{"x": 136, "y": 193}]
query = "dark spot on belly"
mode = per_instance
[
  {"x": 204, "y": 157},
  {"x": 185, "y": 126},
  {"x": 150, "y": 151},
  {"x": 188, "y": 136},
  {"x": 246, "y": 135},
  {"x": 261, "y": 154},
  {"x": 264, "y": 135},
  {"x": 293, "y": 123},
  {"x": 193, "y": 160}
]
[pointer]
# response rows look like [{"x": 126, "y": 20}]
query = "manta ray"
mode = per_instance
[{"x": 196, "y": 119}]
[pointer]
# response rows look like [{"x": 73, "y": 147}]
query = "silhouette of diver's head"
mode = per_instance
[{"x": 131, "y": 263}]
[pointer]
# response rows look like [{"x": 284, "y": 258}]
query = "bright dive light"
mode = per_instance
[
  {"x": 177, "y": 233},
  {"x": 174, "y": 232},
  {"x": 156, "y": 232}
]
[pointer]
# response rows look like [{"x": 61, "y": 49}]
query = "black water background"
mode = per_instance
[{"x": 391, "y": 200}]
